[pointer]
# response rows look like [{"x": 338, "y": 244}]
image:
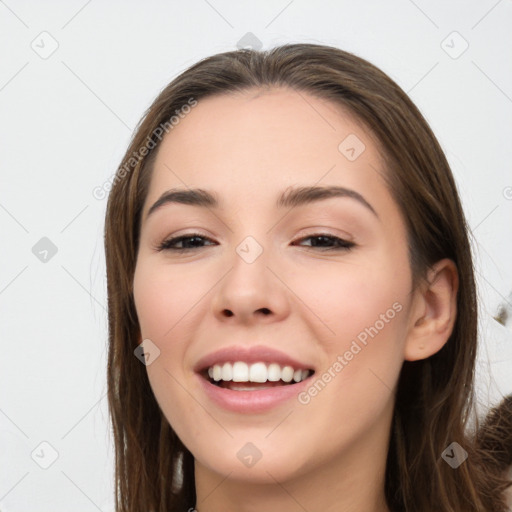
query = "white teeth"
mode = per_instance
[
  {"x": 256, "y": 372},
  {"x": 240, "y": 372},
  {"x": 217, "y": 372},
  {"x": 287, "y": 374},
  {"x": 227, "y": 372},
  {"x": 274, "y": 372}
]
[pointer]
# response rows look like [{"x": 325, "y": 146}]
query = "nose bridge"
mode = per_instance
[
  {"x": 249, "y": 250},
  {"x": 250, "y": 289}
]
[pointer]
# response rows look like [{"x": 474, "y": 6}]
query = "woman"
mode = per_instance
[{"x": 292, "y": 309}]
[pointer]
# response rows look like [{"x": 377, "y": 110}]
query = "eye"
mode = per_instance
[
  {"x": 188, "y": 242},
  {"x": 325, "y": 241},
  {"x": 322, "y": 241}
]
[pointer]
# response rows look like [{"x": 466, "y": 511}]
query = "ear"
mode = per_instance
[{"x": 433, "y": 311}]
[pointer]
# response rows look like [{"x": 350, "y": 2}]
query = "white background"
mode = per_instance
[{"x": 66, "y": 121}]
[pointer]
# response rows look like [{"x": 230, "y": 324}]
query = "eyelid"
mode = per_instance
[
  {"x": 175, "y": 238},
  {"x": 326, "y": 231},
  {"x": 342, "y": 243}
]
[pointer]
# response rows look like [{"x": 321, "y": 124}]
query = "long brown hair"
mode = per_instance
[{"x": 435, "y": 396}]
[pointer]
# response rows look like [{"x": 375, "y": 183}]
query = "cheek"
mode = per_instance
[
  {"x": 162, "y": 315},
  {"x": 349, "y": 297},
  {"x": 164, "y": 301},
  {"x": 363, "y": 312}
]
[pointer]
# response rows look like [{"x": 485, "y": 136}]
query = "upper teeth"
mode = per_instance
[{"x": 256, "y": 372}]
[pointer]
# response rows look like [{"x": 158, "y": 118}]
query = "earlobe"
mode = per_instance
[{"x": 434, "y": 312}]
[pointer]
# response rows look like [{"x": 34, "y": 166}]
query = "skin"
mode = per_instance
[{"x": 330, "y": 453}]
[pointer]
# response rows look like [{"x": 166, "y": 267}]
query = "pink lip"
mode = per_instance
[
  {"x": 255, "y": 354},
  {"x": 252, "y": 401}
]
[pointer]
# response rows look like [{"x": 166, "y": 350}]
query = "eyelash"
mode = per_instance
[{"x": 342, "y": 245}]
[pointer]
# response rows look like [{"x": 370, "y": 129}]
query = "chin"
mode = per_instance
[{"x": 258, "y": 463}]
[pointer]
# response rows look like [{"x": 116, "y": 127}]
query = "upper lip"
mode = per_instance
[{"x": 254, "y": 354}]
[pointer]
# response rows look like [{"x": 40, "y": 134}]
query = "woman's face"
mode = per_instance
[{"x": 311, "y": 281}]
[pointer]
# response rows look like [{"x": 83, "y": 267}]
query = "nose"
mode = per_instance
[{"x": 251, "y": 292}]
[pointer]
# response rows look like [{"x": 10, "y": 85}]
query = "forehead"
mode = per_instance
[{"x": 262, "y": 141}]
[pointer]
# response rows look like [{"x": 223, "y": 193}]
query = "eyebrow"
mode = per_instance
[{"x": 290, "y": 198}]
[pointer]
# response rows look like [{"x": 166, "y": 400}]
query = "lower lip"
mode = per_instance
[{"x": 252, "y": 401}]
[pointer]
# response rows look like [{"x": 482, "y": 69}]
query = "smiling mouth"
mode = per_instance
[{"x": 241, "y": 376}]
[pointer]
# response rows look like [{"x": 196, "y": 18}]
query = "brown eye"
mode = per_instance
[
  {"x": 188, "y": 242},
  {"x": 328, "y": 242}
]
